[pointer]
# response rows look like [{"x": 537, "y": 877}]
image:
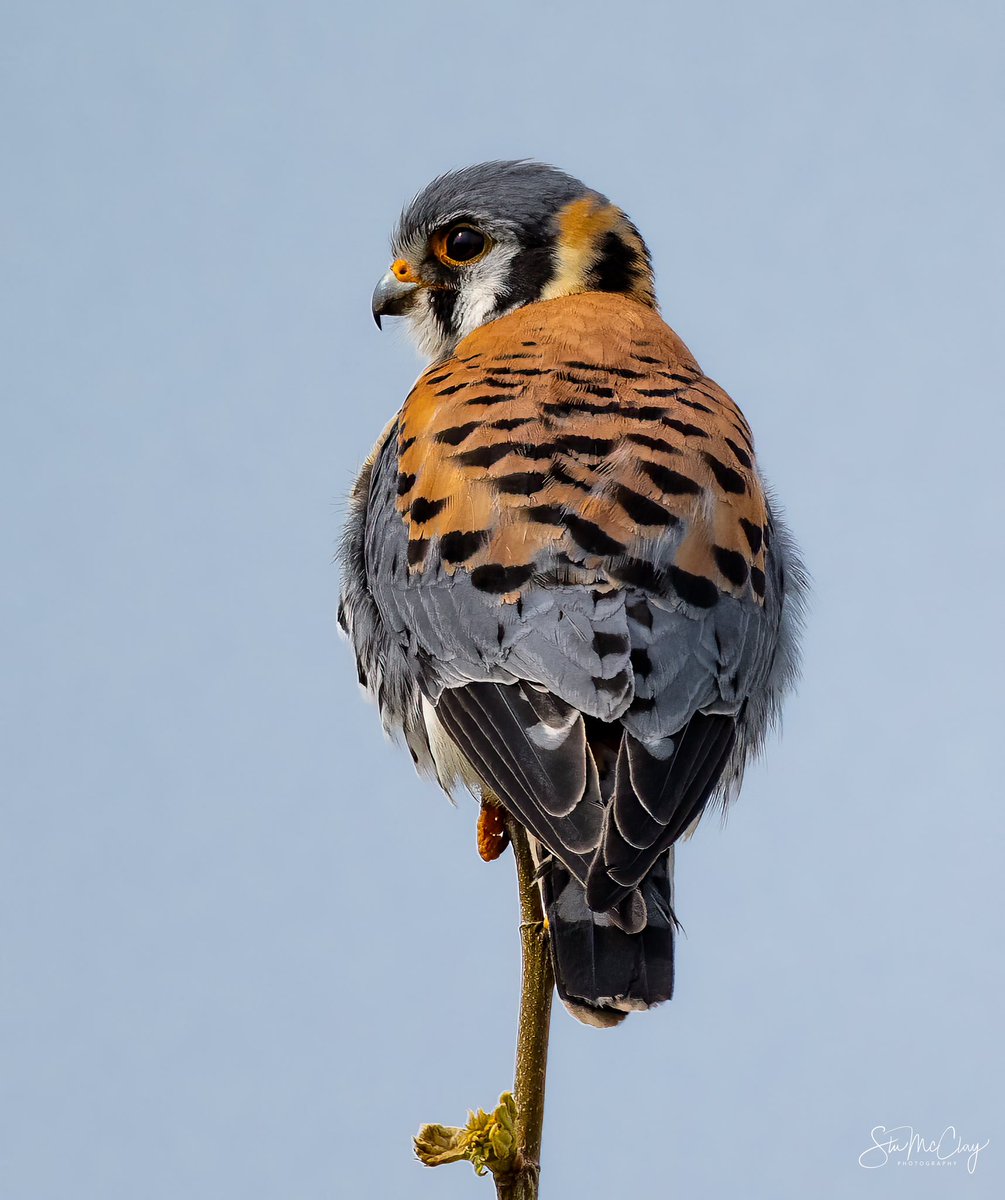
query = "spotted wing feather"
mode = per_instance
[{"x": 569, "y": 507}]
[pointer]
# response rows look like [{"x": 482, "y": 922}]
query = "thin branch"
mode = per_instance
[
  {"x": 538, "y": 985},
  {"x": 507, "y": 1141}
]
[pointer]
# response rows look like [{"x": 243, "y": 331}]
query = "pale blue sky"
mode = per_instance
[{"x": 246, "y": 951}]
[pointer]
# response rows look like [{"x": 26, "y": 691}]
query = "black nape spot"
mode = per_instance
[
  {"x": 671, "y": 483},
  {"x": 590, "y": 537},
  {"x": 757, "y": 581},
  {"x": 641, "y": 662},
  {"x": 405, "y": 483},
  {"x": 458, "y": 546},
  {"x": 617, "y": 266},
  {"x": 609, "y": 643},
  {"x": 752, "y": 532},
  {"x": 728, "y": 479},
  {"x": 521, "y": 483},
  {"x": 417, "y": 548},
  {"x": 495, "y": 578},
  {"x": 694, "y": 589},
  {"x": 457, "y": 434},
  {"x": 424, "y": 510},
  {"x": 641, "y": 509},
  {"x": 732, "y": 564}
]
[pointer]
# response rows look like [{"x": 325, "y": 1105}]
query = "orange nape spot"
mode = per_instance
[
  {"x": 585, "y": 229},
  {"x": 403, "y": 272},
  {"x": 492, "y": 836}
]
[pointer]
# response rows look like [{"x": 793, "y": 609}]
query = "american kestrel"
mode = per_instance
[{"x": 564, "y": 581}]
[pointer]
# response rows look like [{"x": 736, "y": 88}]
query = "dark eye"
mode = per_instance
[{"x": 463, "y": 244}]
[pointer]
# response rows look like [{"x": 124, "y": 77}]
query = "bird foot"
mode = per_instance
[
  {"x": 493, "y": 837},
  {"x": 488, "y": 1141}
]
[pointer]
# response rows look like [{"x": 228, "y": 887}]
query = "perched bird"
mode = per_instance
[{"x": 564, "y": 581}]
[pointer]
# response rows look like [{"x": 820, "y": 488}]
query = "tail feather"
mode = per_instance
[{"x": 602, "y": 973}]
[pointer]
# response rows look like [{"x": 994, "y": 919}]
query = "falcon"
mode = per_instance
[{"x": 565, "y": 582}]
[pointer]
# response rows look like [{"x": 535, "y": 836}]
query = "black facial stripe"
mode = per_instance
[{"x": 442, "y": 303}]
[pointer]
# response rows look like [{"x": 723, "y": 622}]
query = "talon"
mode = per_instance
[{"x": 492, "y": 835}]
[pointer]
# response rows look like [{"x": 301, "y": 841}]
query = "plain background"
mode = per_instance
[{"x": 246, "y": 951}]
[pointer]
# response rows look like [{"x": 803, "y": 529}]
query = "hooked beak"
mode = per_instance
[{"x": 392, "y": 297}]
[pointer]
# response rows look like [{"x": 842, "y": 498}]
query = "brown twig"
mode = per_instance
[
  {"x": 538, "y": 985},
  {"x": 507, "y": 1141}
]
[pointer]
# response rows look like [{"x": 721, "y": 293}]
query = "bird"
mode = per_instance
[{"x": 565, "y": 582}]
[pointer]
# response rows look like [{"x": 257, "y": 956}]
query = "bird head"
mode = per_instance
[{"x": 480, "y": 242}]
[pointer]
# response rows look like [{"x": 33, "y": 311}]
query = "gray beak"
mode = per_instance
[{"x": 391, "y": 297}]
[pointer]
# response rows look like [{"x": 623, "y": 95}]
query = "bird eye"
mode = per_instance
[{"x": 462, "y": 244}]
